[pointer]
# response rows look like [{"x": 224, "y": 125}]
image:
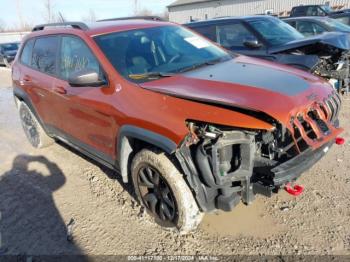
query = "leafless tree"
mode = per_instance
[{"x": 48, "y": 10}]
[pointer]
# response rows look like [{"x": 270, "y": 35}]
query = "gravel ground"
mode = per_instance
[{"x": 41, "y": 191}]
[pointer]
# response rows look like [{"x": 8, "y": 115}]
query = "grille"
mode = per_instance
[
  {"x": 331, "y": 107},
  {"x": 312, "y": 126}
]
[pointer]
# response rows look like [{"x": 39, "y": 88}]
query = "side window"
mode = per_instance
[
  {"x": 305, "y": 28},
  {"x": 207, "y": 31},
  {"x": 320, "y": 12},
  {"x": 76, "y": 56},
  {"x": 233, "y": 35},
  {"x": 312, "y": 11},
  {"x": 26, "y": 55},
  {"x": 292, "y": 23},
  {"x": 309, "y": 28},
  {"x": 318, "y": 29},
  {"x": 45, "y": 53}
]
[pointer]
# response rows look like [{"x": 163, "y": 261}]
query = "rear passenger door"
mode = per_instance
[
  {"x": 39, "y": 57},
  {"x": 86, "y": 118}
]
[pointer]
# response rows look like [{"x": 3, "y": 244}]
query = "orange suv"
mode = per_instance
[{"x": 194, "y": 127}]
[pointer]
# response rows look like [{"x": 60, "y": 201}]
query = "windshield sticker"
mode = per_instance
[{"x": 197, "y": 42}]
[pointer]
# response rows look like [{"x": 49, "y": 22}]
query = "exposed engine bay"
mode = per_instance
[
  {"x": 324, "y": 60},
  {"x": 225, "y": 165}
]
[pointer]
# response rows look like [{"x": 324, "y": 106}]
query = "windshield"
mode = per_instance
[
  {"x": 275, "y": 32},
  {"x": 10, "y": 47},
  {"x": 337, "y": 26},
  {"x": 144, "y": 54}
]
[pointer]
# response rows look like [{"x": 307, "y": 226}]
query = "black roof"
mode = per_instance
[
  {"x": 307, "y": 18},
  {"x": 230, "y": 18}
]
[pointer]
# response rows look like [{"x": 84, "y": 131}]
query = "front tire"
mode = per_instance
[
  {"x": 162, "y": 190},
  {"x": 32, "y": 128}
]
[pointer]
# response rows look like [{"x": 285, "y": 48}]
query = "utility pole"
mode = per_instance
[
  {"x": 19, "y": 13},
  {"x": 135, "y": 7}
]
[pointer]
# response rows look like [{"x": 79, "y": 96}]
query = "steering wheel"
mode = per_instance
[{"x": 174, "y": 58}]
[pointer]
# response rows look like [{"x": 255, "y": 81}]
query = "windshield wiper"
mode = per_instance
[
  {"x": 150, "y": 75},
  {"x": 196, "y": 66}
]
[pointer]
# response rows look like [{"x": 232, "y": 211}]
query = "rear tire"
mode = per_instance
[
  {"x": 162, "y": 190},
  {"x": 32, "y": 128}
]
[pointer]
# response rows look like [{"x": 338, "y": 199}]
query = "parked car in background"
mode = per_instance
[
  {"x": 8, "y": 53},
  {"x": 192, "y": 126},
  {"x": 311, "y": 10},
  {"x": 315, "y": 25},
  {"x": 342, "y": 16},
  {"x": 270, "y": 38}
]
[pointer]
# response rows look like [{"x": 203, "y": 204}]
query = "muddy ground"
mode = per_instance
[{"x": 42, "y": 190}]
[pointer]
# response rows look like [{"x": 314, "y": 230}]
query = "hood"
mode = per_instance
[
  {"x": 247, "y": 83},
  {"x": 335, "y": 39}
]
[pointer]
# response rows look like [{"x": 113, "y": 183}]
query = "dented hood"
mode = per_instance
[
  {"x": 334, "y": 39},
  {"x": 247, "y": 83}
]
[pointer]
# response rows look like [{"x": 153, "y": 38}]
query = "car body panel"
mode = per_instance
[{"x": 335, "y": 39}]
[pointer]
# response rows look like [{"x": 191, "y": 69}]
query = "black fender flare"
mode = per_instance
[
  {"x": 124, "y": 141},
  {"x": 20, "y": 94}
]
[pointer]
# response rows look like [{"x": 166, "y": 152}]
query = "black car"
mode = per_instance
[
  {"x": 269, "y": 38},
  {"x": 315, "y": 25},
  {"x": 311, "y": 10},
  {"x": 8, "y": 53}
]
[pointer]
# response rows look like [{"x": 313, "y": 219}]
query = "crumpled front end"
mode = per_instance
[
  {"x": 335, "y": 67},
  {"x": 225, "y": 165}
]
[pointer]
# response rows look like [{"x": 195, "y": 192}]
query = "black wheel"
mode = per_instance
[
  {"x": 33, "y": 130},
  {"x": 162, "y": 190}
]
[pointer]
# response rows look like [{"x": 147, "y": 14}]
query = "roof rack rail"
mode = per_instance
[
  {"x": 153, "y": 18},
  {"x": 76, "y": 25}
]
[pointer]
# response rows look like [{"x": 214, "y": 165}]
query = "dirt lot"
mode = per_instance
[{"x": 42, "y": 190}]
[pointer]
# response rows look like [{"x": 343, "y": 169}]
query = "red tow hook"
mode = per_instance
[
  {"x": 340, "y": 141},
  {"x": 294, "y": 191}
]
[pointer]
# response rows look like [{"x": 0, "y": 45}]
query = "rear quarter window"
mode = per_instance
[
  {"x": 26, "y": 55},
  {"x": 45, "y": 53}
]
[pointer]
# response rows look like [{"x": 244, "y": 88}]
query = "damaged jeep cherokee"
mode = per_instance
[{"x": 193, "y": 127}]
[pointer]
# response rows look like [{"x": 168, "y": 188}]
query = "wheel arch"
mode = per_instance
[
  {"x": 131, "y": 138},
  {"x": 21, "y": 96}
]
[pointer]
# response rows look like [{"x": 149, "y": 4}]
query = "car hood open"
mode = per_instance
[
  {"x": 247, "y": 83},
  {"x": 335, "y": 39}
]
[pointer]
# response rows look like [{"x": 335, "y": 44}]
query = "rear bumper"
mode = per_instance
[{"x": 292, "y": 169}]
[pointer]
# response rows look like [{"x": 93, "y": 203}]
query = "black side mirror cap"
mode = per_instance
[{"x": 254, "y": 44}]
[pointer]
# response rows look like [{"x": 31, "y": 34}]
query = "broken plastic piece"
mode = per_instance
[
  {"x": 294, "y": 191},
  {"x": 340, "y": 141}
]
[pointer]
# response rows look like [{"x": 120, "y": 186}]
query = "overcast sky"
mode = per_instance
[{"x": 33, "y": 12}]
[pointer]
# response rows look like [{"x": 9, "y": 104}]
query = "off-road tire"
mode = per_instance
[
  {"x": 188, "y": 215},
  {"x": 34, "y": 132}
]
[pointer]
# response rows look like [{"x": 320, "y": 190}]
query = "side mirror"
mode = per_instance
[
  {"x": 252, "y": 43},
  {"x": 85, "y": 77}
]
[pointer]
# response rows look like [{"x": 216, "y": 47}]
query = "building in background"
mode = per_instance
[
  {"x": 182, "y": 11},
  {"x": 8, "y": 37}
]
